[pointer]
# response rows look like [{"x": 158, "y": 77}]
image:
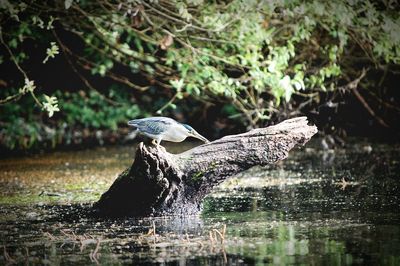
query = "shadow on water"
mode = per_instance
[{"x": 316, "y": 207}]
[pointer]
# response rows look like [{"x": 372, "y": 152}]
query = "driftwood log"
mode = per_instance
[{"x": 160, "y": 183}]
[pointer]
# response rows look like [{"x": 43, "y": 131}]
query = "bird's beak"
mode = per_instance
[{"x": 198, "y": 136}]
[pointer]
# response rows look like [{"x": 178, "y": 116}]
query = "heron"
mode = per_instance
[{"x": 164, "y": 128}]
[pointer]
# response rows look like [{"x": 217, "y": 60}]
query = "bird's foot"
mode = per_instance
[{"x": 157, "y": 144}]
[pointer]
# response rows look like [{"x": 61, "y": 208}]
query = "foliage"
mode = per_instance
[
  {"x": 50, "y": 105},
  {"x": 92, "y": 111},
  {"x": 51, "y": 52},
  {"x": 262, "y": 58},
  {"x": 25, "y": 126}
]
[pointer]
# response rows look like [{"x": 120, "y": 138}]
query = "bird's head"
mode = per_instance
[{"x": 193, "y": 133}]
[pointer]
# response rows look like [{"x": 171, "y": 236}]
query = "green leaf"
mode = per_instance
[
  {"x": 287, "y": 87},
  {"x": 51, "y": 52},
  {"x": 50, "y": 105},
  {"x": 177, "y": 84},
  {"x": 68, "y": 3}
]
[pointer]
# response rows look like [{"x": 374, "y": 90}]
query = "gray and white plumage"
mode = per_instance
[{"x": 164, "y": 128}]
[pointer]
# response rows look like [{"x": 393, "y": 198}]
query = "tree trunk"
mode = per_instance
[{"x": 160, "y": 183}]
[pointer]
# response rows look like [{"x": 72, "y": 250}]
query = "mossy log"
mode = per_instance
[{"x": 160, "y": 183}]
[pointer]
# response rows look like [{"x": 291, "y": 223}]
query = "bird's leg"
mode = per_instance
[{"x": 158, "y": 143}]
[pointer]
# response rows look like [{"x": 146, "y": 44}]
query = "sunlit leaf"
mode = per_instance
[{"x": 68, "y": 3}]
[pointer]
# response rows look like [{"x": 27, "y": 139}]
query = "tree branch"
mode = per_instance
[{"x": 161, "y": 183}]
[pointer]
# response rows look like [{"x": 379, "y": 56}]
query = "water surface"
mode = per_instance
[{"x": 316, "y": 207}]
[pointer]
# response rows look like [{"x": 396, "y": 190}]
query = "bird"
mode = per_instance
[{"x": 164, "y": 128}]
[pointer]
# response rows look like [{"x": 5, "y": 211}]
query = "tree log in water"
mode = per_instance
[{"x": 160, "y": 183}]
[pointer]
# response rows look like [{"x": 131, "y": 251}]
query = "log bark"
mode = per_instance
[{"x": 160, "y": 183}]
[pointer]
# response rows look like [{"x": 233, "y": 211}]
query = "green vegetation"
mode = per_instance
[
  {"x": 25, "y": 126},
  {"x": 260, "y": 60}
]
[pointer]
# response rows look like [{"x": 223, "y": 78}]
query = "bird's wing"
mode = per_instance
[{"x": 152, "y": 126}]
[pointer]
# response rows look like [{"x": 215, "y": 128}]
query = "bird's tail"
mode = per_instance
[
  {"x": 133, "y": 122},
  {"x": 131, "y": 135}
]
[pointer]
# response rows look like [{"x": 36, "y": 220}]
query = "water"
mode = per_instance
[{"x": 337, "y": 207}]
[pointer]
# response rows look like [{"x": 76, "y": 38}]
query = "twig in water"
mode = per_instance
[
  {"x": 211, "y": 239},
  {"x": 7, "y": 256},
  {"x": 94, "y": 254},
  {"x": 49, "y": 235},
  {"x": 26, "y": 256},
  {"x": 154, "y": 232},
  {"x": 201, "y": 245},
  {"x": 215, "y": 236},
  {"x": 225, "y": 257},
  {"x": 221, "y": 236},
  {"x": 85, "y": 242}
]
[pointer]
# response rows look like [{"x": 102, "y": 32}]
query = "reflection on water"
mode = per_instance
[{"x": 340, "y": 207}]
